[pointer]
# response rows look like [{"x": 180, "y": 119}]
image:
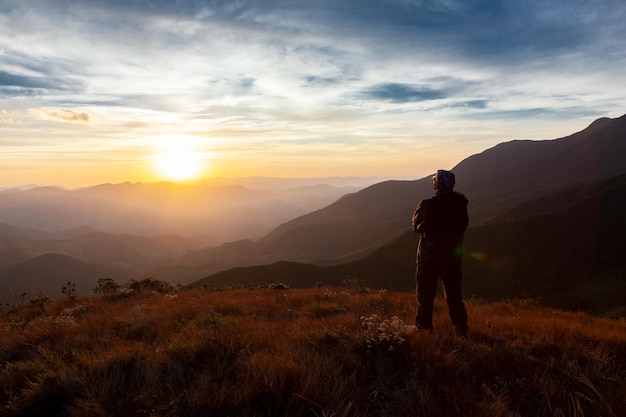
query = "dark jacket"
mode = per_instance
[{"x": 442, "y": 217}]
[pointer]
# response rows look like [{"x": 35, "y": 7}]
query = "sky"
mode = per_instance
[{"x": 97, "y": 91}]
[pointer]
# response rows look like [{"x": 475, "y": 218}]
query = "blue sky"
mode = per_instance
[{"x": 97, "y": 91}]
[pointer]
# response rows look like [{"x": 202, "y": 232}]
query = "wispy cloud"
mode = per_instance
[
  {"x": 402, "y": 93},
  {"x": 67, "y": 115}
]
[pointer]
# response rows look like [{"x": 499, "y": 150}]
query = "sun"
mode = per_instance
[{"x": 179, "y": 162}]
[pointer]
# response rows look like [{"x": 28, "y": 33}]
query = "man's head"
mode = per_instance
[{"x": 443, "y": 181}]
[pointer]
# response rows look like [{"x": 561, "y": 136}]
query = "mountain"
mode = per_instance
[
  {"x": 565, "y": 248},
  {"x": 206, "y": 212},
  {"x": 495, "y": 181},
  {"x": 78, "y": 255},
  {"x": 7, "y": 230},
  {"x": 513, "y": 172},
  {"x": 50, "y": 272},
  {"x": 134, "y": 253},
  {"x": 52, "y": 220}
]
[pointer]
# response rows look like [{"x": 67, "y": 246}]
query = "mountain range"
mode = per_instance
[
  {"x": 546, "y": 221},
  {"x": 208, "y": 212},
  {"x": 564, "y": 249},
  {"x": 131, "y": 228},
  {"x": 543, "y": 215},
  {"x": 496, "y": 180}
]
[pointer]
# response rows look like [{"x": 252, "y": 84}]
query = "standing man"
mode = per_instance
[{"x": 441, "y": 222}]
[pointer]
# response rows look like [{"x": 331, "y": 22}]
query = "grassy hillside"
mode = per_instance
[{"x": 311, "y": 352}]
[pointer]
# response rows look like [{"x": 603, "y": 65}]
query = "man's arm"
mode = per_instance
[{"x": 419, "y": 216}]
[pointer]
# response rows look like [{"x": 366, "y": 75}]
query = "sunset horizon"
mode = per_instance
[{"x": 110, "y": 92}]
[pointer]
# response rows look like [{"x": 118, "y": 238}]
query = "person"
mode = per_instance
[{"x": 441, "y": 222}]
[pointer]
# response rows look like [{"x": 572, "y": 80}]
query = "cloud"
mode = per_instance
[
  {"x": 5, "y": 117},
  {"x": 29, "y": 75},
  {"x": 402, "y": 93},
  {"x": 20, "y": 81},
  {"x": 67, "y": 115},
  {"x": 470, "y": 104},
  {"x": 339, "y": 73},
  {"x": 315, "y": 80}
]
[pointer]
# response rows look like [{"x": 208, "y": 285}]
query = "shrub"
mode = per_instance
[
  {"x": 106, "y": 286},
  {"x": 150, "y": 284},
  {"x": 69, "y": 290}
]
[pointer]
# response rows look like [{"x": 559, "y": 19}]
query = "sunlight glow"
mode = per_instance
[{"x": 178, "y": 161}]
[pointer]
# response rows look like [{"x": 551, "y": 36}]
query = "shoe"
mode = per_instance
[
  {"x": 420, "y": 328},
  {"x": 460, "y": 331}
]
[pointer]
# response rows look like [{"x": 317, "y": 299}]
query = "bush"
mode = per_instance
[
  {"x": 150, "y": 284},
  {"x": 106, "y": 286},
  {"x": 69, "y": 290}
]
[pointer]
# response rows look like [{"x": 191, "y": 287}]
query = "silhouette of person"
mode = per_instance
[{"x": 441, "y": 222}]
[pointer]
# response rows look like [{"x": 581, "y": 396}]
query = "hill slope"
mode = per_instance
[
  {"x": 50, "y": 272},
  {"x": 510, "y": 173},
  {"x": 566, "y": 248},
  {"x": 495, "y": 181},
  {"x": 133, "y": 254},
  {"x": 314, "y": 352}
]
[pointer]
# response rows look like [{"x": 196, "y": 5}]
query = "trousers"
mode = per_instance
[{"x": 437, "y": 260}]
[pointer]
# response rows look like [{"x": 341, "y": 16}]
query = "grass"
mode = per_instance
[{"x": 305, "y": 352}]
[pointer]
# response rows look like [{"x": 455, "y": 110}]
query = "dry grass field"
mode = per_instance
[{"x": 344, "y": 351}]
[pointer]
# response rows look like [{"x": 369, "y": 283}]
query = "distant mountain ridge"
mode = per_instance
[
  {"x": 511, "y": 172},
  {"x": 50, "y": 220},
  {"x": 495, "y": 181},
  {"x": 202, "y": 211}
]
